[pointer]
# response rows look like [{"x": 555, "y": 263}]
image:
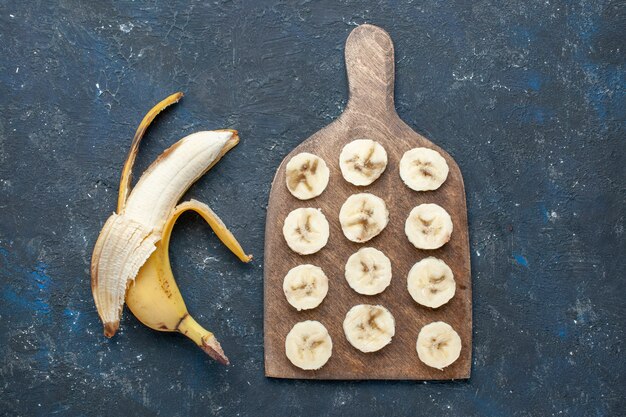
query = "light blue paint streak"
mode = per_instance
[
  {"x": 521, "y": 260},
  {"x": 35, "y": 295},
  {"x": 534, "y": 81}
]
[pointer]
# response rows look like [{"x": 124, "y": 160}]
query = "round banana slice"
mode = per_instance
[
  {"x": 363, "y": 216},
  {"x": 431, "y": 282},
  {"x": 368, "y": 271},
  {"x": 438, "y": 345},
  {"x": 306, "y": 230},
  {"x": 308, "y": 345},
  {"x": 369, "y": 328},
  {"x": 306, "y": 175},
  {"x": 428, "y": 226},
  {"x": 305, "y": 286},
  {"x": 423, "y": 169},
  {"x": 362, "y": 161}
]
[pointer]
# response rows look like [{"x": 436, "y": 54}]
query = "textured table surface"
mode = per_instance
[{"x": 528, "y": 97}]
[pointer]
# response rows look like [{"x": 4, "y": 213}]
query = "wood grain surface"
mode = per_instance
[{"x": 370, "y": 113}]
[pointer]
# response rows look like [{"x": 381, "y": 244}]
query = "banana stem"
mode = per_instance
[
  {"x": 203, "y": 338},
  {"x": 134, "y": 147}
]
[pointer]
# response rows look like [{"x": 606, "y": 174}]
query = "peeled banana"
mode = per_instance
[{"x": 130, "y": 258}]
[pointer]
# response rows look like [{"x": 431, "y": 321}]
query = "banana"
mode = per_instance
[
  {"x": 306, "y": 176},
  {"x": 368, "y": 327},
  {"x": 306, "y": 230},
  {"x": 363, "y": 216},
  {"x": 362, "y": 161},
  {"x": 368, "y": 271},
  {"x": 438, "y": 345},
  {"x": 130, "y": 258},
  {"x": 308, "y": 345},
  {"x": 428, "y": 226},
  {"x": 129, "y": 237},
  {"x": 305, "y": 286},
  {"x": 431, "y": 282},
  {"x": 423, "y": 169}
]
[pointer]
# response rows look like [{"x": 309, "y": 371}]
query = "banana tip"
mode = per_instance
[
  {"x": 110, "y": 328},
  {"x": 212, "y": 347}
]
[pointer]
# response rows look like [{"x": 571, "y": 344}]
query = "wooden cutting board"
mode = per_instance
[{"x": 371, "y": 114}]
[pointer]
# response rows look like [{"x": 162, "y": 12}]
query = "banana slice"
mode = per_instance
[
  {"x": 306, "y": 230},
  {"x": 307, "y": 176},
  {"x": 369, "y": 328},
  {"x": 368, "y": 271},
  {"x": 305, "y": 286},
  {"x": 438, "y": 345},
  {"x": 431, "y": 282},
  {"x": 423, "y": 169},
  {"x": 428, "y": 226},
  {"x": 363, "y": 216},
  {"x": 308, "y": 345},
  {"x": 362, "y": 161}
]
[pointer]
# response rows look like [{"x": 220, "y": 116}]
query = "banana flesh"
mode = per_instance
[
  {"x": 130, "y": 258},
  {"x": 306, "y": 176},
  {"x": 362, "y": 161},
  {"x": 305, "y": 286},
  {"x": 368, "y": 271},
  {"x": 429, "y": 226},
  {"x": 369, "y": 328},
  {"x": 308, "y": 345},
  {"x": 423, "y": 169},
  {"x": 431, "y": 282},
  {"x": 306, "y": 230},
  {"x": 438, "y": 345},
  {"x": 363, "y": 216}
]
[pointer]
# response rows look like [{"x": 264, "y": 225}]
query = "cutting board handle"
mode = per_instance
[{"x": 370, "y": 68}]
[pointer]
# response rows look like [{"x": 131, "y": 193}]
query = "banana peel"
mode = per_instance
[
  {"x": 130, "y": 259},
  {"x": 154, "y": 297},
  {"x": 127, "y": 171}
]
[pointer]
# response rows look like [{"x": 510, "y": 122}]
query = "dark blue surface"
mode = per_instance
[{"x": 528, "y": 96}]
